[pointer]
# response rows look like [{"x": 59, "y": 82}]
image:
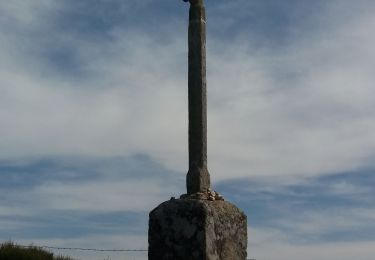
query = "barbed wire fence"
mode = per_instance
[
  {"x": 91, "y": 249},
  {"x": 88, "y": 249}
]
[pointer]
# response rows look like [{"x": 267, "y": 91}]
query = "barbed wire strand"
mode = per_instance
[
  {"x": 88, "y": 249},
  {"x": 91, "y": 249}
]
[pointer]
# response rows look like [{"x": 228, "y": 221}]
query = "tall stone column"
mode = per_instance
[
  {"x": 200, "y": 225},
  {"x": 198, "y": 178}
]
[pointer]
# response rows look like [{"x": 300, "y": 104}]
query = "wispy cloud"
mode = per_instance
[
  {"x": 80, "y": 202},
  {"x": 290, "y": 86},
  {"x": 300, "y": 108}
]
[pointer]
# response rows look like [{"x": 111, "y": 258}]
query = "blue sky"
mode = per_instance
[{"x": 93, "y": 112}]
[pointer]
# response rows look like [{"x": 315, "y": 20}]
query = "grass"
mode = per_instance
[{"x": 11, "y": 251}]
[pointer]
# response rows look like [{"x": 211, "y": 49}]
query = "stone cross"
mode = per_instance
[
  {"x": 197, "y": 226},
  {"x": 198, "y": 178}
]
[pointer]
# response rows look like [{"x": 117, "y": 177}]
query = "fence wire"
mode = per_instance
[
  {"x": 92, "y": 249},
  {"x": 87, "y": 249}
]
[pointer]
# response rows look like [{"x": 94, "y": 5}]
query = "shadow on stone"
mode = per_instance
[{"x": 190, "y": 229}]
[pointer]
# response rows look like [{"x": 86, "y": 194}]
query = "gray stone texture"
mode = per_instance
[
  {"x": 200, "y": 225},
  {"x": 191, "y": 229},
  {"x": 198, "y": 178}
]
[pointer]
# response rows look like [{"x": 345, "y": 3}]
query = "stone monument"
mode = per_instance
[{"x": 200, "y": 225}]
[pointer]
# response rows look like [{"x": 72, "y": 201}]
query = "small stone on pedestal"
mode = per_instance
[{"x": 196, "y": 229}]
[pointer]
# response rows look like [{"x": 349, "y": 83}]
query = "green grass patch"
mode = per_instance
[{"x": 11, "y": 251}]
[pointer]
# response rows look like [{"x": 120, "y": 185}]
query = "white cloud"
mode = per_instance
[
  {"x": 272, "y": 244},
  {"x": 305, "y": 111},
  {"x": 26, "y": 12},
  {"x": 319, "y": 223},
  {"x": 326, "y": 251},
  {"x": 106, "y": 196},
  {"x": 10, "y": 211}
]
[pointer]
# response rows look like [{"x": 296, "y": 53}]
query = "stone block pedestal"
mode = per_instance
[{"x": 192, "y": 229}]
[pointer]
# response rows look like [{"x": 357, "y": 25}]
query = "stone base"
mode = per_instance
[{"x": 190, "y": 229}]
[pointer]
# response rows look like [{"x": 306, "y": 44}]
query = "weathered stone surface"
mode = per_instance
[
  {"x": 198, "y": 177},
  {"x": 190, "y": 229},
  {"x": 200, "y": 225}
]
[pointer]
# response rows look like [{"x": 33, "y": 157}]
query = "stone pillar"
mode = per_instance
[
  {"x": 198, "y": 178},
  {"x": 200, "y": 225}
]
